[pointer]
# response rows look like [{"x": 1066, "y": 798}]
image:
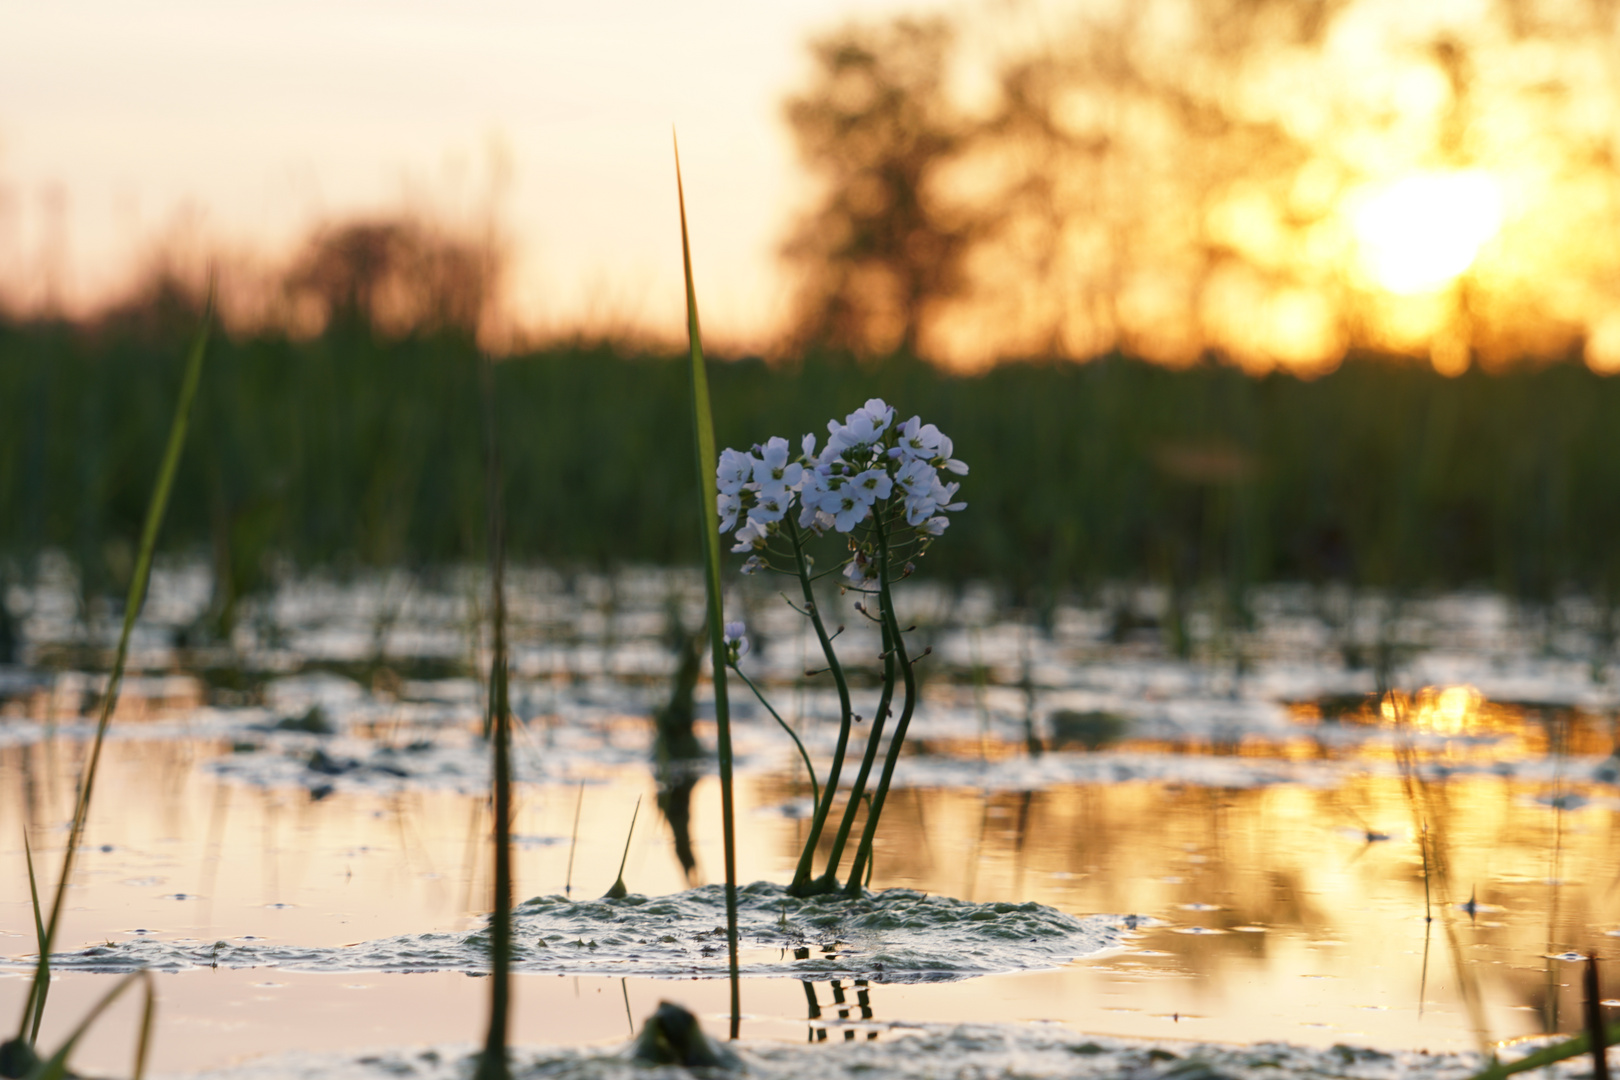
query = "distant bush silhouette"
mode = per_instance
[{"x": 396, "y": 277}]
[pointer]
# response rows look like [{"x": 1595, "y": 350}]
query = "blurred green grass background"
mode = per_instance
[{"x": 353, "y": 450}]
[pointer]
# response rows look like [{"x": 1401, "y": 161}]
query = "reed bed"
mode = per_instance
[{"x": 353, "y": 450}]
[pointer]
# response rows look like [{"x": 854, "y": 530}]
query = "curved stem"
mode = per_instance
[
  {"x": 873, "y": 737},
  {"x": 801, "y": 875},
  {"x": 897, "y": 650},
  {"x": 815, "y": 789}
]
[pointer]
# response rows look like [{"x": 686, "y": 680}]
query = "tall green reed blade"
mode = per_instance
[
  {"x": 1548, "y": 1055},
  {"x": 492, "y": 1064},
  {"x": 56, "y": 1066},
  {"x": 709, "y": 495},
  {"x": 34, "y": 1004}
]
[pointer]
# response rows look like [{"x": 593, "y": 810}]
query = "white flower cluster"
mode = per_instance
[{"x": 866, "y": 459}]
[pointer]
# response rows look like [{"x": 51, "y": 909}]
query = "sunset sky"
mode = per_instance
[
  {"x": 221, "y": 123},
  {"x": 1439, "y": 186}
]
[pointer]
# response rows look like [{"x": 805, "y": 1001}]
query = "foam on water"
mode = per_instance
[
  {"x": 1020, "y": 773},
  {"x": 897, "y": 936}
]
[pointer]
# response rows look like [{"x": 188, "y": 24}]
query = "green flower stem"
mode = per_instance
[
  {"x": 897, "y": 651},
  {"x": 873, "y": 737},
  {"x": 815, "y": 789},
  {"x": 802, "y": 885}
]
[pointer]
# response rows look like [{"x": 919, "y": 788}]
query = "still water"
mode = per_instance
[{"x": 1418, "y": 872}]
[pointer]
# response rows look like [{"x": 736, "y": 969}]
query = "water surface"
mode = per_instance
[{"x": 1308, "y": 863}]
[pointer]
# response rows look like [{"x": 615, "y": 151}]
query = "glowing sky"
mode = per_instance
[
  {"x": 235, "y": 126},
  {"x": 222, "y": 122}
]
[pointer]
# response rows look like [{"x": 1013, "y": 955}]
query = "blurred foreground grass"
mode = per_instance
[{"x": 351, "y": 450}]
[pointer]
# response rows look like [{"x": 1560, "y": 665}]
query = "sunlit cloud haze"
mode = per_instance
[{"x": 1275, "y": 181}]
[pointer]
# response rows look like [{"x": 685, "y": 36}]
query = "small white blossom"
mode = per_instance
[
  {"x": 817, "y": 520},
  {"x": 860, "y": 570},
  {"x": 862, "y": 427},
  {"x": 916, "y": 478},
  {"x": 935, "y": 526},
  {"x": 847, "y": 507},
  {"x": 925, "y": 504},
  {"x": 848, "y": 500},
  {"x": 880, "y": 411},
  {"x": 736, "y": 469},
  {"x": 920, "y": 481},
  {"x": 924, "y": 442},
  {"x": 730, "y": 506},
  {"x": 772, "y": 506},
  {"x": 918, "y": 440},
  {"x": 874, "y": 484},
  {"x": 821, "y": 487},
  {"x": 751, "y": 536},
  {"x": 753, "y": 564},
  {"x": 772, "y": 470},
  {"x": 811, "y": 492},
  {"x": 736, "y": 640}
]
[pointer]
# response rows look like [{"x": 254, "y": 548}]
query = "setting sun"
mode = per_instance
[{"x": 1418, "y": 233}]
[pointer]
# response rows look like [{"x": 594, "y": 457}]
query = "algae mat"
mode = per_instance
[{"x": 897, "y": 935}]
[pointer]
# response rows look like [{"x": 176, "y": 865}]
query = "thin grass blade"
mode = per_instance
[
  {"x": 492, "y": 1064},
  {"x": 155, "y": 510},
  {"x": 42, "y": 972},
  {"x": 618, "y": 891},
  {"x": 55, "y": 1067},
  {"x": 1547, "y": 1055},
  {"x": 708, "y": 493},
  {"x": 143, "y": 1042},
  {"x": 573, "y": 842}
]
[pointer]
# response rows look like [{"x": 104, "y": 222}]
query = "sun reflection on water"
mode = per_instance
[{"x": 1449, "y": 710}]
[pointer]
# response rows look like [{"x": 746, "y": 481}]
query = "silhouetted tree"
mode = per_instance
[
  {"x": 1117, "y": 143},
  {"x": 1176, "y": 178},
  {"x": 396, "y": 277},
  {"x": 884, "y": 246}
]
